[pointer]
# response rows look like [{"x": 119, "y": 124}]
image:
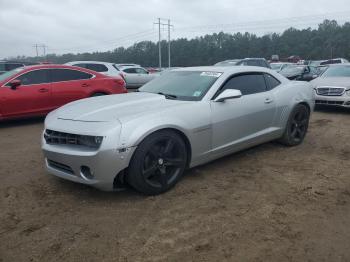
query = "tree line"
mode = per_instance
[{"x": 329, "y": 40}]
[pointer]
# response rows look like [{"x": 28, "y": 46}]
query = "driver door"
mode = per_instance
[
  {"x": 241, "y": 122},
  {"x": 33, "y": 96}
]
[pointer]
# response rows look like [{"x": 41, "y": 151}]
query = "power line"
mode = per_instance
[
  {"x": 271, "y": 21},
  {"x": 111, "y": 41}
]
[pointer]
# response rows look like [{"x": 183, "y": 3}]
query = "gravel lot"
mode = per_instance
[{"x": 269, "y": 203}]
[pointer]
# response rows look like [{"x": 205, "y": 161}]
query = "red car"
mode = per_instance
[{"x": 37, "y": 90}]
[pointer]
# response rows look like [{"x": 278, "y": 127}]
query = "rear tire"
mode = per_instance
[
  {"x": 297, "y": 126},
  {"x": 158, "y": 163}
]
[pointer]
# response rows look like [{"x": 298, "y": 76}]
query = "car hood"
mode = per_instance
[
  {"x": 115, "y": 107},
  {"x": 332, "y": 81}
]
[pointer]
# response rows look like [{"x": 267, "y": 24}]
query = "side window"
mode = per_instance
[
  {"x": 97, "y": 67},
  {"x": 130, "y": 70},
  {"x": 248, "y": 83},
  {"x": 80, "y": 65},
  {"x": 271, "y": 82},
  {"x": 12, "y": 66},
  {"x": 34, "y": 77},
  {"x": 253, "y": 63},
  {"x": 263, "y": 64},
  {"x": 60, "y": 75},
  {"x": 140, "y": 71}
]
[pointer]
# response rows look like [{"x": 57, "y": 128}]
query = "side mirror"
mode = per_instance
[
  {"x": 15, "y": 83},
  {"x": 228, "y": 94}
]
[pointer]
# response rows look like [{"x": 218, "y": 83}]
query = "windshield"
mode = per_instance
[
  {"x": 227, "y": 63},
  {"x": 182, "y": 85},
  {"x": 275, "y": 66},
  {"x": 293, "y": 70},
  {"x": 8, "y": 74},
  {"x": 337, "y": 71}
]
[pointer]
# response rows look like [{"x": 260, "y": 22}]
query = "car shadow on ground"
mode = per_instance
[
  {"x": 332, "y": 109},
  {"x": 21, "y": 122}
]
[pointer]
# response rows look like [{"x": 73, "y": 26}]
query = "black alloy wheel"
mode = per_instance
[
  {"x": 158, "y": 163},
  {"x": 297, "y": 126}
]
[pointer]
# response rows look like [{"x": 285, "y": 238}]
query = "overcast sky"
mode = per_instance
[{"x": 90, "y": 25}]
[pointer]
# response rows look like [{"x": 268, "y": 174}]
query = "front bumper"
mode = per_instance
[
  {"x": 104, "y": 164},
  {"x": 341, "y": 101}
]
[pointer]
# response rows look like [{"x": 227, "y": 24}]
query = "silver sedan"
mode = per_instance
[
  {"x": 182, "y": 119},
  {"x": 332, "y": 88}
]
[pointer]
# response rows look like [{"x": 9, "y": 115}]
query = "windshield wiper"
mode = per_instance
[{"x": 167, "y": 96}]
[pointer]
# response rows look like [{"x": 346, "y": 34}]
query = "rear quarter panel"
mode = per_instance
[{"x": 288, "y": 95}]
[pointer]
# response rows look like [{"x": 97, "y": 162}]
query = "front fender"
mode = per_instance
[{"x": 134, "y": 133}]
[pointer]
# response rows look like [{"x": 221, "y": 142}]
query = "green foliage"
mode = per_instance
[{"x": 329, "y": 40}]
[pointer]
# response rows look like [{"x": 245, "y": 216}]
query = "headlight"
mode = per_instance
[{"x": 90, "y": 141}]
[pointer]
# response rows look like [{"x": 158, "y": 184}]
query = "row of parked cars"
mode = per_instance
[
  {"x": 181, "y": 119},
  {"x": 329, "y": 78},
  {"x": 29, "y": 89}
]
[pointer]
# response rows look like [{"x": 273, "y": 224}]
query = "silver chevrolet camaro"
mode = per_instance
[{"x": 184, "y": 118}]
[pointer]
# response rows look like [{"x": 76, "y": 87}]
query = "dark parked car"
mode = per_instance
[
  {"x": 300, "y": 72},
  {"x": 261, "y": 62},
  {"x": 335, "y": 61},
  {"x": 10, "y": 65}
]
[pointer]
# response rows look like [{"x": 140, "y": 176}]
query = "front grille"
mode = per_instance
[
  {"x": 325, "y": 102},
  {"x": 61, "y": 138},
  {"x": 54, "y": 137},
  {"x": 330, "y": 91},
  {"x": 60, "y": 167}
]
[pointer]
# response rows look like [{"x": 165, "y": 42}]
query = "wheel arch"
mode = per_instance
[
  {"x": 306, "y": 105},
  {"x": 179, "y": 132},
  {"x": 120, "y": 180}
]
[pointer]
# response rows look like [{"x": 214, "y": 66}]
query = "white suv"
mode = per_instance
[
  {"x": 109, "y": 69},
  {"x": 136, "y": 76}
]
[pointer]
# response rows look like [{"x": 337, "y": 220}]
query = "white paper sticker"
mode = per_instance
[
  {"x": 212, "y": 74},
  {"x": 197, "y": 93}
]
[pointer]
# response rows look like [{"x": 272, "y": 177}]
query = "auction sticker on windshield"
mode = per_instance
[{"x": 212, "y": 74}]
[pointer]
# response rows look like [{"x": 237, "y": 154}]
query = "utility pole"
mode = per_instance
[
  {"x": 159, "y": 23},
  {"x": 159, "y": 45},
  {"x": 44, "y": 49},
  {"x": 36, "y": 49},
  {"x": 169, "y": 52}
]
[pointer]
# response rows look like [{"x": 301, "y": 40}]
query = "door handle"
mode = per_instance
[
  {"x": 85, "y": 85},
  {"x": 43, "y": 90},
  {"x": 268, "y": 101}
]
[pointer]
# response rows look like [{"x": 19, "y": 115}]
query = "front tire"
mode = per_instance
[
  {"x": 297, "y": 126},
  {"x": 158, "y": 163}
]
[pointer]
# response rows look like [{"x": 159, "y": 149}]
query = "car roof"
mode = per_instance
[
  {"x": 226, "y": 69},
  {"x": 90, "y": 62},
  {"x": 50, "y": 66},
  {"x": 127, "y": 67}
]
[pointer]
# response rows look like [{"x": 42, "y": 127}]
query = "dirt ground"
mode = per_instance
[{"x": 269, "y": 203}]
